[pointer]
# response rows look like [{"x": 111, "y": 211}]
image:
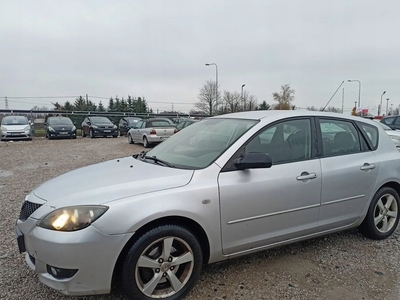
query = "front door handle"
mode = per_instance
[
  {"x": 306, "y": 176},
  {"x": 367, "y": 167}
]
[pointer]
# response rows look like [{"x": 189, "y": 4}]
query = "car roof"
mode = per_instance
[{"x": 273, "y": 114}]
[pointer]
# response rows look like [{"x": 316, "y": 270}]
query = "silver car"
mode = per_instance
[
  {"x": 151, "y": 131},
  {"x": 223, "y": 187},
  {"x": 15, "y": 128}
]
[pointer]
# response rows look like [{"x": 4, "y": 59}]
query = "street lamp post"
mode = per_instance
[
  {"x": 387, "y": 104},
  {"x": 359, "y": 90},
  {"x": 380, "y": 106},
  {"x": 216, "y": 84},
  {"x": 242, "y": 97}
]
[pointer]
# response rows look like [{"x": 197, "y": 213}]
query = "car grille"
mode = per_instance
[{"x": 27, "y": 209}]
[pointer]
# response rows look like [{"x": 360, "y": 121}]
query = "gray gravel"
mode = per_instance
[{"x": 339, "y": 266}]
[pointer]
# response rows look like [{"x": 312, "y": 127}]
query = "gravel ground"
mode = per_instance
[{"x": 338, "y": 266}]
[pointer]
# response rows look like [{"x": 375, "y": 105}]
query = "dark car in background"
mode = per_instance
[
  {"x": 60, "y": 127},
  {"x": 127, "y": 123},
  {"x": 183, "y": 123},
  {"x": 98, "y": 126},
  {"x": 391, "y": 121}
]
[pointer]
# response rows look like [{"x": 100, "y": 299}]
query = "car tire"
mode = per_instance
[
  {"x": 83, "y": 133},
  {"x": 119, "y": 133},
  {"x": 130, "y": 140},
  {"x": 47, "y": 135},
  {"x": 171, "y": 256},
  {"x": 115, "y": 136},
  {"x": 91, "y": 133},
  {"x": 383, "y": 215},
  {"x": 146, "y": 143}
]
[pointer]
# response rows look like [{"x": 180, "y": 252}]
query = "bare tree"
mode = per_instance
[
  {"x": 207, "y": 98},
  {"x": 231, "y": 101},
  {"x": 284, "y": 98},
  {"x": 249, "y": 102},
  {"x": 332, "y": 109},
  {"x": 312, "y": 108}
]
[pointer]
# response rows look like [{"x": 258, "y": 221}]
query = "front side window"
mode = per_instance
[
  {"x": 339, "y": 137},
  {"x": 287, "y": 141},
  {"x": 139, "y": 124},
  {"x": 388, "y": 121}
]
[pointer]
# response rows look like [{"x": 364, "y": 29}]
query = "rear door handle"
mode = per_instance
[
  {"x": 306, "y": 176},
  {"x": 367, "y": 167}
]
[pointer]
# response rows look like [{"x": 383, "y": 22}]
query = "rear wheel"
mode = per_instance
[
  {"x": 164, "y": 263},
  {"x": 383, "y": 215}
]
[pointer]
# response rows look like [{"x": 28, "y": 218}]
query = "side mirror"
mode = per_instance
[
  {"x": 393, "y": 127},
  {"x": 253, "y": 160}
]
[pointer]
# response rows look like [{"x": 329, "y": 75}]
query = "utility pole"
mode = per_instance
[
  {"x": 6, "y": 103},
  {"x": 342, "y": 100},
  {"x": 387, "y": 104},
  {"x": 172, "y": 107},
  {"x": 87, "y": 101}
]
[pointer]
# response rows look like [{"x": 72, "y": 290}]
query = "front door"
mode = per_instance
[{"x": 261, "y": 207}]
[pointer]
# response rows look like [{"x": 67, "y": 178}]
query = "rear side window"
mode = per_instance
[
  {"x": 339, "y": 137},
  {"x": 371, "y": 133}
]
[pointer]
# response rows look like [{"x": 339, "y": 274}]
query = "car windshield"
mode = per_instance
[
  {"x": 100, "y": 120},
  {"x": 60, "y": 121},
  {"x": 132, "y": 121},
  {"x": 14, "y": 120},
  {"x": 385, "y": 127},
  {"x": 202, "y": 143}
]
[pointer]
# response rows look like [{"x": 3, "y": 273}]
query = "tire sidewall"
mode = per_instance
[
  {"x": 128, "y": 272},
  {"x": 368, "y": 224}
]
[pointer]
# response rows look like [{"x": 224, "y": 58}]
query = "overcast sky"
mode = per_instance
[{"x": 158, "y": 49}]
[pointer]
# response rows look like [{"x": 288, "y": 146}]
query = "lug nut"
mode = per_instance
[
  {"x": 170, "y": 259},
  {"x": 160, "y": 260},
  {"x": 165, "y": 274},
  {"x": 157, "y": 270},
  {"x": 171, "y": 268}
]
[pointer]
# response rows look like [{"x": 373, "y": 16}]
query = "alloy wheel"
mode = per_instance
[{"x": 385, "y": 213}]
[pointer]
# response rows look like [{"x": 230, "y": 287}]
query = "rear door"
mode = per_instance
[{"x": 349, "y": 171}]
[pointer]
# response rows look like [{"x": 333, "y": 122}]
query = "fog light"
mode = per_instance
[{"x": 60, "y": 273}]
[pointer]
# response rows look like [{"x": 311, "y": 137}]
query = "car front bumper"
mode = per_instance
[
  {"x": 62, "y": 134},
  {"x": 88, "y": 251},
  {"x": 105, "y": 132},
  {"x": 16, "y": 135}
]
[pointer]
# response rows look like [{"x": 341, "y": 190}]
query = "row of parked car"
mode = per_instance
[{"x": 146, "y": 131}]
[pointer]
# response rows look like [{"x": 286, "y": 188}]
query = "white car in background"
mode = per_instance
[
  {"x": 393, "y": 133},
  {"x": 15, "y": 128}
]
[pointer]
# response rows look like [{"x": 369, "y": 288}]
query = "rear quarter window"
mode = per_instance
[{"x": 372, "y": 134}]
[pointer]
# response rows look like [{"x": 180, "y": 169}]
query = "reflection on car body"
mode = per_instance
[{"x": 223, "y": 187}]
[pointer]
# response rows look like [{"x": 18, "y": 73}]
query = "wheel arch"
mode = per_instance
[
  {"x": 392, "y": 184},
  {"x": 185, "y": 222}
]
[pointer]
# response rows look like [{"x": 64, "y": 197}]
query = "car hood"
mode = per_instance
[
  {"x": 61, "y": 127},
  {"x": 15, "y": 127},
  {"x": 109, "y": 181},
  {"x": 393, "y": 132}
]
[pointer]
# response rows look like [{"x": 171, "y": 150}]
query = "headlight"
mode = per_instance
[
  {"x": 94, "y": 127},
  {"x": 50, "y": 128},
  {"x": 115, "y": 126},
  {"x": 72, "y": 218},
  {"x": 73, "y": 128},
  {"x": 3, "y": 129},
  {"x": 27, "y": 128},
  {"x": 395, "y": 137}
]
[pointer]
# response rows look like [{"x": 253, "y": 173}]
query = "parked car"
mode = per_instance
[
  {"x": 391, "y": 121},
  {"x": 127, "y": 123},
  {"x": 185, "y": 123},
  {"x": 60, "y": 127},
  {"x": 98, "y": 126},
  {"x": 394, "y": 134},
  {"x": 224, "y": 187},
  {"x": 15, "y": 128},
  {"x": 151, "y": 131}
]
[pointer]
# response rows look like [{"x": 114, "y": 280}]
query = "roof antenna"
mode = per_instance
[{"x": 333, "y": 96}]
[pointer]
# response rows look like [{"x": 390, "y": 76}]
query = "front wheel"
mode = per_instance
[
  {"x": 164, "y": 263},
  {"x": 91, "y": 133},
  {"x": 130, "y": 139},
  {"x": 382, "y": 216}
]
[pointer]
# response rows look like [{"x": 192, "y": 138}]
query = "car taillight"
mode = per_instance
[
  {"x": 175, "y": 130},
  {"x": 152, "y": 131}
]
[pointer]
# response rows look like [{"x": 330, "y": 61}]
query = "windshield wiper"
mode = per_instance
[{"x": 157, "y": 160}]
